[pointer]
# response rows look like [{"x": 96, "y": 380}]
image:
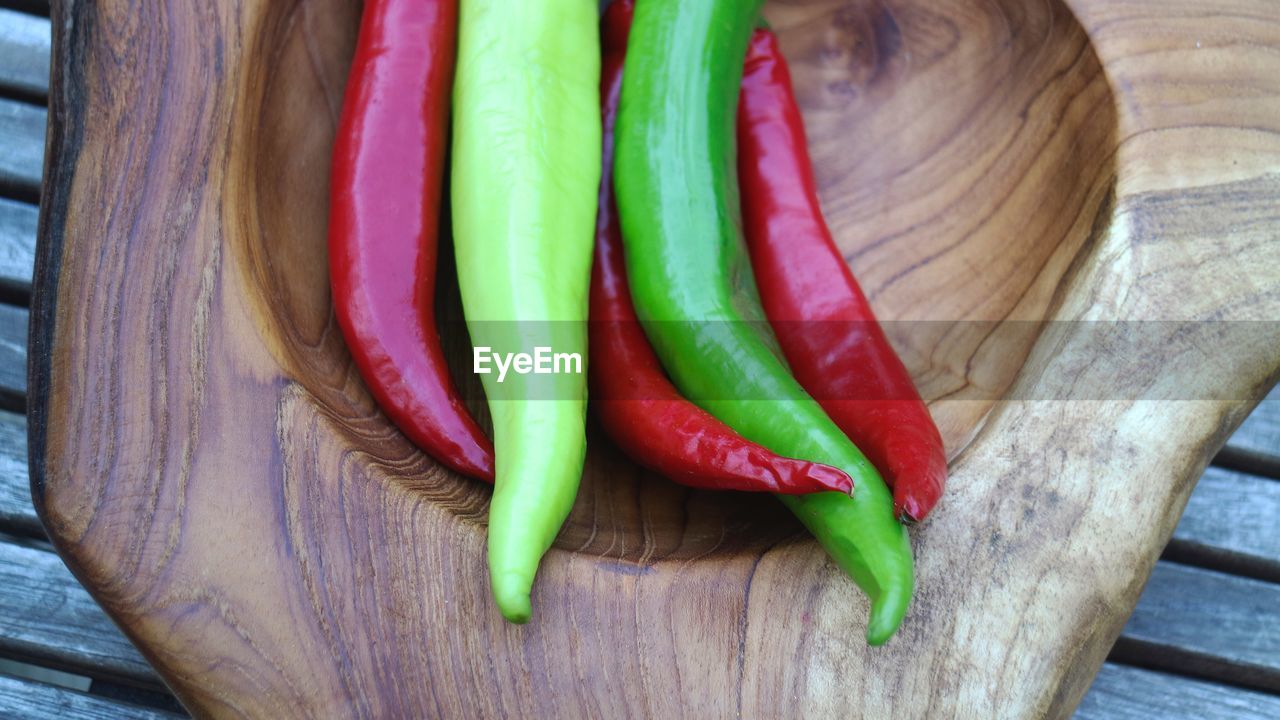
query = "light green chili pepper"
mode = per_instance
[{"x": 526, "y": 170}]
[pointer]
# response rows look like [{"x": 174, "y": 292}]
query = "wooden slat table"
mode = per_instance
[{"x": 1204, "y": 641}]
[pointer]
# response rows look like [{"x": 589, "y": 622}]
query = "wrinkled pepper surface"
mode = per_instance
[{"x": 825, "y": 325}]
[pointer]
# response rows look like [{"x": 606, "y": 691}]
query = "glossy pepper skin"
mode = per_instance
[
  {"x": 384, "y": 213},
  {"x": 824, "y": 323},
  {"x": 639, "y": 407},
  {"x": 693, "y": 289},
  {"x": 526, "y": 172}
]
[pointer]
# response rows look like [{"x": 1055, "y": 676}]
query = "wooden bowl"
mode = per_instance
[{"x": 1025, "y": 185}]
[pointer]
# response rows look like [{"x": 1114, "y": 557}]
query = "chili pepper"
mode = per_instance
[
  {"x": 384, "y": 209},
  {"x": 825, "y": 325},
  {"x": 693, "y": 289},
  {"x": 639, "y": 407},
  {"x": 526, "y": 173}
]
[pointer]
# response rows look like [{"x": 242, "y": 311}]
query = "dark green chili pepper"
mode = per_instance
[{"x": 692, "y": 283}]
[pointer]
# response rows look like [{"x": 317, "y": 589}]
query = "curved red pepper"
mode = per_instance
[
  {"x": 384, "y": 216},
  {"x": 828, "y": 332},
  {"x": 639, "y": 407}
]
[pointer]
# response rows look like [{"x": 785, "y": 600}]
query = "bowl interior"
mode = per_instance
[{"x": 964, "y": 153}]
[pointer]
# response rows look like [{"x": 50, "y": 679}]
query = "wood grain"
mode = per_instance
[
  {"x": 1217, "y": 522},
  {"x": 208, "y": 463},
  {"x": 1170, "y": 612}
]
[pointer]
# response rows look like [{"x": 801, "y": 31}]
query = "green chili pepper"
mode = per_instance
[
  {"x": 526, "y": 171},
  {"x": 692, "y": 283}
]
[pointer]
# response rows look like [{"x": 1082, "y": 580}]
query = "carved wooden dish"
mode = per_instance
[{"x": 210, "y": 465}]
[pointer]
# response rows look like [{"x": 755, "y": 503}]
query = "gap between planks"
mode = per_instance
[{"x": 34, "y": 7}]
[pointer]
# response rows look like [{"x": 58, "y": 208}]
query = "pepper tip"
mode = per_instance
[
  {"x": 511, "y": 594},
  {"x": 888, "y": 610},
  {"x": 882, "y": 625},
  {"x": 830, "y": 478},
  {"x": 908, "y": 511},
  {"x": 517, "y": 610}
]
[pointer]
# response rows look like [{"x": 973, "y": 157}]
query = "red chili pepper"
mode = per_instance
[
  {"x": 828, "y": 332},
  {"x": 384, "y": 216},
  {"x": 639, "y": 407}
]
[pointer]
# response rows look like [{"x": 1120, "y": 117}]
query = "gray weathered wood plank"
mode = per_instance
[
  {"x": 24, "y": 53},
  {"x": 22, "y": 152},
  {"x": 1206, "y": 624},
  {"x": 1121, "y": 692},
  {"x": 1260, "y": 432},
  {"x": 48, "y": 618},
  {"x": 1230, "y": 524},
  {"x": 13, "y": 358},
  {"x": 1255, "y": 446},
  {"x": 29, "y": 700},
  {"x": 17, "y": 246},
  {"x": 16, "y": 512}
]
